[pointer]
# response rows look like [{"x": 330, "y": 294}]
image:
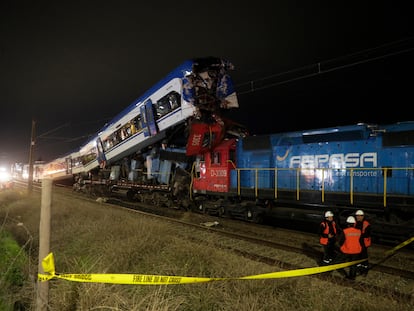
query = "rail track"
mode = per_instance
[
  {"x": 226, "y": 236},
  {"x": 261, "y": 239}
]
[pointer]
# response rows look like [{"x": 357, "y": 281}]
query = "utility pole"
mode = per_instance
[
  {"x": 42, "y": 296},
  {"x": 31, "y": 156}
]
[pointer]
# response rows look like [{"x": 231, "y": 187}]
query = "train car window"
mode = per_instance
[
  {"x": 166, "y": 104},
  {"x": 92, "y": 155},
  {"x": 112, "y": 140},
  {"x": 116, "y": 137},
  {"x": 161, "y": 108},
  {"x": 123, "y": 134},
  {"x": 76, "y": 162},
  {"x": 174, "y": 99},
  {"x": 107, "y": 144},
  {"x": 129, "y": 129},
  {"x": 403, "y": 138},
  {"x": 136, "y": 123}
]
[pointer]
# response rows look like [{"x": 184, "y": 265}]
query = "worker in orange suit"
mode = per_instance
[{"x": 328, "y": 231}]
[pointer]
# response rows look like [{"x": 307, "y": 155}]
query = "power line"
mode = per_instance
[
  {"x": 53, "y": 130},
  {"x": 323, "y": 67},
  {"x": 46, "y": 135}
]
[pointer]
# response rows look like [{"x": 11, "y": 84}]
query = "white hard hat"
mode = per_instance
[
  {"x": 359, "y": 212},
  {"x": 351, "y": 220},
  {"x": 329, "y": 214}
]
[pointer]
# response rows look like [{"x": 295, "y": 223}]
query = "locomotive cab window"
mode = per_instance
[{"x": 215, "y": 158}]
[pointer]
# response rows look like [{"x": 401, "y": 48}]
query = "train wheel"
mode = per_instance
[
  {"x": 253, "y": 215},
  {"x": 249, "y": 215},
  {"x": 201, "y": 208},
  {"x": 130, "y": 195},
  {"x": 221, "y": 211}
]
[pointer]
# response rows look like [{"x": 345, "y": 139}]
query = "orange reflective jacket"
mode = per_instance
[
  {"x": 366, "y": 235},
  {"x": 352, "y": 243},
  {"x": 367, "y": 239},
  {"x": 324, "y": 236}
]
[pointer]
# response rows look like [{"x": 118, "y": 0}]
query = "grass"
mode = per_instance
[{"x": 89, "y": 237}]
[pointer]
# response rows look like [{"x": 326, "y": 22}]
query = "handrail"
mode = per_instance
[{"x": 324, "y": 174}]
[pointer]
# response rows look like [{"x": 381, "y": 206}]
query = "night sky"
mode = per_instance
[{"x": 74, "y": 66}]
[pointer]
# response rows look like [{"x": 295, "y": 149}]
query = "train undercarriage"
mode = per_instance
[{"x": 177, "y": 195}]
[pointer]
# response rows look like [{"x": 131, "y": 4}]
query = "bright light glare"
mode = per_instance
[{"x": 4, "y": 175}]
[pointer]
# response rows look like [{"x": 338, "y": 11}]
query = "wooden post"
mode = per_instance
[
  {"x": 44, "y": 243},
  {"x": 31, "y": 157}
]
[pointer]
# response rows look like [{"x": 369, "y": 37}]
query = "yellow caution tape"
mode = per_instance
[
  {"x": 405, "y": 243},
  {"x": 301, "y": 272},
  {"x": 149, "y": 279}
]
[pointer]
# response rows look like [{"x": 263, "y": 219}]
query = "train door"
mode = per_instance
[
  {"x": 148, "y": 123},
  {"x": 101, "y": 153},
  {"x": 68, "y": 165}
]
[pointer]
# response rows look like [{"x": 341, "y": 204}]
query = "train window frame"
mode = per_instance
[
  {"x": 90, "y": 156},
  {"x": 129, "y": 129},
  {"x": 215, "y": 158},
  {"x": 232, "y": 155},
  {"x": 167, "y": 104}
]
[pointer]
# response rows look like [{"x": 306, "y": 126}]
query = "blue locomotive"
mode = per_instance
[{"x": 300, "y": 174}]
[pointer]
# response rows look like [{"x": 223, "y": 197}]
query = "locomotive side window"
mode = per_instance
[
  {"x": 215, "y": 158},
  {"x": 232, "y": 155}
]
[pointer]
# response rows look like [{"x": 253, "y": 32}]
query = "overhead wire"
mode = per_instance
[
  {"x": 323, "y": 67},
  {"x": 301, "y": 73}
]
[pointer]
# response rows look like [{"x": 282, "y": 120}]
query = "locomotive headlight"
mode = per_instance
[{"x": 4, "y": 175}]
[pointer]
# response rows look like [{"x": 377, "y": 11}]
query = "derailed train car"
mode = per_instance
[{"x": 182, "y": 107}]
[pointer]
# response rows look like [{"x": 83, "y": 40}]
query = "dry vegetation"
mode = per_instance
[{"x": 89, "y": 237}]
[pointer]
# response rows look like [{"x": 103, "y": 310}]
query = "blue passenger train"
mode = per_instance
[{"x": 185, "y": 104}]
